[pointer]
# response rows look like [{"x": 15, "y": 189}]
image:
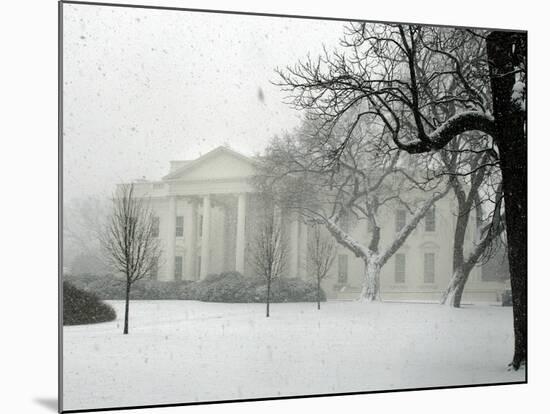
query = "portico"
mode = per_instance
[
  {"x": 200, "y": 240},
  {"x": 202, "y": 206}
]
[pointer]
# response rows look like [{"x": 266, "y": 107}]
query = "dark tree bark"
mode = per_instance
[
  {"x": 461, "y": 271},
  {"x": 503, "y": 51},
  {"x": 458, "y": 253},
  {"x": 462, "y": 266},
  {"x": 464, "y": 273},
  {"x": 268, "y": 297},
  {"x": 318, "y": 293},
  {"x": 375, "y": 239},
  {"x": 126, "y": 308},
  {"x": 460, "y": 234}
]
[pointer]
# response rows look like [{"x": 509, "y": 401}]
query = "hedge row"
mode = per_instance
[
  {"x": 224, "y": 287},
  {"x": 236, "y": 288}
]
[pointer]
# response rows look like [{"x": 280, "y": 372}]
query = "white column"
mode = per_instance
[
  {"x": 239, "y": 247},
  {"x": 191, "y": 242},
  {"x": 171, "y": 238},
  {"x": 205, "y": 242},
  {"x": 294, "y": 247}
]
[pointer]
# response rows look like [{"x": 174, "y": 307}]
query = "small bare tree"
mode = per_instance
[
  {"x": 129, "y": 241},
  {"x": 270, "y": 250},
  {"x": 321, "y": 251}
]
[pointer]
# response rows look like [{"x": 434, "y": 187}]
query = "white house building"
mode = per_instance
[{"x": 206, "y": 209}]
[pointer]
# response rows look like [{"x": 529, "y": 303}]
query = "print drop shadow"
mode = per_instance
[{"x": 49, "y": 403}]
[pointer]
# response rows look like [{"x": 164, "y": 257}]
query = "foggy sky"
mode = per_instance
[{"x": 143, "y": 87}]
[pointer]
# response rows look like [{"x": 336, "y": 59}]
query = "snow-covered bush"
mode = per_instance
[
  {"x": 80, "y": 307},
  {"x": 223, "y": 287},
  {"x": 157, "y": 290},
  {"x": 236, "y": 288},
  {"x": 295, "y": 290},
  {"x": 216, "y": 277}
]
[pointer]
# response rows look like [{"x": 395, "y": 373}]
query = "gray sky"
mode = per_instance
[{"x": 143, "y": 87}]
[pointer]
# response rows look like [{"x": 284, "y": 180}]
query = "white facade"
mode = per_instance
[{"x": 206, "y": 211}]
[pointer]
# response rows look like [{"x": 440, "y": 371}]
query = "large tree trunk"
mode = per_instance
[
  {"x": 515, "y": 197},
  {"x": 127, "y": 308},
  {"x": 458, "y": 278},
  {"x": 503, "y": 51},
  {"x": 371, "y": 283},
  {"x": 453, "y": 293},
  {"x": 462, "y": 220},
  {"x": 448, "y": 296},
  {"x": 463, "y": 267},
  {"x": 457, "y": 297}
]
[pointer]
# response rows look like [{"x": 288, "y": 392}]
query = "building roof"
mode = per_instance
[{"x": 189, "y": 165}]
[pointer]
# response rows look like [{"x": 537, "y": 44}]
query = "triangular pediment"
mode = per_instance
[{"x": 221, "y": 163}]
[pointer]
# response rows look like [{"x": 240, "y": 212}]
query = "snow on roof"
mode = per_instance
[
  {"x": 177, "y": 164},
  {"x": 210, "y": 154}
]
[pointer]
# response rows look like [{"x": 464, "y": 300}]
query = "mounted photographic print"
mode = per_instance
[{"x": 261, "y": 206}]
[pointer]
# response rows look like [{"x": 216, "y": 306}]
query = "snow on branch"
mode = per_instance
[
  {"x": 402, "y": 235},
  {"x": 454, "y": 126},
  {"x": 345, "y": 240}
]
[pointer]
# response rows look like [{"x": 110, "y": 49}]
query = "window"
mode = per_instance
[
  {"x": 400, "y": 264},
  {"x": 429, "y": 219},
  {"x": 179, "y": 226},
  {"x": 154, "y": 270},
  {"x": 178, "y": 271},
  {"x": 156, "y": 227},
  {"x": 400, "y": 220},
  {"x": 429, "y": 267},
  {"x": 342, "y": 268}
]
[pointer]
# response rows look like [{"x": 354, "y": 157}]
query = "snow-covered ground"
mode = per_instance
[{"x": 186, "y": 351}]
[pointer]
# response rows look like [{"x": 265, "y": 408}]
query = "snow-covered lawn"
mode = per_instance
[{"x": 186, "y": 351}]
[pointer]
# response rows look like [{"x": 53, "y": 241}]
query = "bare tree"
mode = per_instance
[
  {"x": 365, "y": 180},
  {"x": 269, "y": 255},
  {"x": 129, "y": 241},
  {"x": 321, "y": 251},
  {"x": 391, "y": 68}
]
